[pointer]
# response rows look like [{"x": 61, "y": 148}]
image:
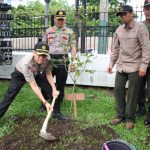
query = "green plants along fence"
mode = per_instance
[{"x": 28, "y": 29}]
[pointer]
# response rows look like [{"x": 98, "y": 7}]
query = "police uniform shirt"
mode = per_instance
[
  {"x": 147, "y": 25},
  {"x": 131, "y": 48},
  {"x": 60, "y": 40},
  {"x": 29, "y": 68}
]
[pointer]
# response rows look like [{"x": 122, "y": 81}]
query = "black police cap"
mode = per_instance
[
  {"x": 146, "y": 3},
  {"x": 60, "y": 14},
  {"x": 41, "y": 48},
  {"x": 125, "y": 8}
]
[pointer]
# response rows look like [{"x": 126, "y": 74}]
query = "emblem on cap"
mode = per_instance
[
  {"x": 121, "y": 9},
  {"x": 43, "y": 47},
  {"x": 60, "y": 13}
]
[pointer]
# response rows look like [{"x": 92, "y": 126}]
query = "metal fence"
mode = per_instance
[{"x": 91, "y": 36}]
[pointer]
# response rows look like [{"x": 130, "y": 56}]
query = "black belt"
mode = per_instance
[
  {"x": 60, "y": 59},
  {"x": 58, "y": 56}
]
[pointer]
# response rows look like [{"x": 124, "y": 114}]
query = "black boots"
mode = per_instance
[
  {"x": 147, "y": 120},
  {"x": 56, "y": 112},
  {"x": 141, "y": 111},
  {"x": 60, "y": 116}
]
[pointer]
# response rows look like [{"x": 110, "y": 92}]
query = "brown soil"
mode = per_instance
[{"x": 25, "y": 135}]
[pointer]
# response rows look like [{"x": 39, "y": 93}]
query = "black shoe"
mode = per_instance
[
  {"x": 42, "y": 109},
  {"x": 60, "y": 116},
  {"x": 146, "y": 122},
  {"x": 141, "y": 112}
]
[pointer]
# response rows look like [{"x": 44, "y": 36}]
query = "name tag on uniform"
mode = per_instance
[
  {"x": 64, "y": 37},
  {"x": 51, "y": 38}
]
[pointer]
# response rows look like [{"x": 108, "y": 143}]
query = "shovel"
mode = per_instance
[{"x": 43, "y": 132}]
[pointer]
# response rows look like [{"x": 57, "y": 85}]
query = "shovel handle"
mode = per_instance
[
  {"x": 50, "y": 112},
  {"x": 44, "y": 127}
]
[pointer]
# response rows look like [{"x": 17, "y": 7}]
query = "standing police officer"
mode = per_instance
[
  {"x": 145, "y": 92},
  {"x": 27, "y": 70},
  {"x": 61, "y": 41}
]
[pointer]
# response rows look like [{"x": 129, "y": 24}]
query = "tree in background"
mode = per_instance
[
  {"x": 32, "y": 15},
  {"x": 36, "y": 9}
]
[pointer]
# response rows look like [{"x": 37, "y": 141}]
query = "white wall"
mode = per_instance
[{"x": 99, "y": 65}]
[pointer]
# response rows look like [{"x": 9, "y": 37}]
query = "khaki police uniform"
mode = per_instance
[
  {"x": 145, "y": 88},
  {"x": 145, "y": 82},
  {"x": 26, "y": 70},
  {"x": 60, "y": 41},
  {"x": 131, "y": 52}
]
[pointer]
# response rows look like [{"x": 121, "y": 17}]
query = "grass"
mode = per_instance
[{"x": 97, "y": 109}]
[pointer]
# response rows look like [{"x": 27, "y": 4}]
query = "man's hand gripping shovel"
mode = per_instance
[{"x": 43, "y": 132}]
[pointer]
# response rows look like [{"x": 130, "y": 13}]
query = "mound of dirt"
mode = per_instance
[{"x": 70, "y": 136}]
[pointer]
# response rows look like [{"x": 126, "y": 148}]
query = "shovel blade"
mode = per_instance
[{"x": 47, "y": 136}]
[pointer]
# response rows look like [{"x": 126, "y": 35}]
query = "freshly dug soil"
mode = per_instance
[{"x": 70, "y": 136}]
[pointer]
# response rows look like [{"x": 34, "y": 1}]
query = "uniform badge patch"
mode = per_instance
[
  {"x": 60, "y": 13},
  {"x": 44, "y": 47}
]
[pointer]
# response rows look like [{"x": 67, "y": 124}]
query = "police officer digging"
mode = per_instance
[
  {"x": 61, "y": 41},
  {"x": 27, "y": 70}
]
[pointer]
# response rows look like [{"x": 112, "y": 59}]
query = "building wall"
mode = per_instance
[{"x": 99, "y": 64}]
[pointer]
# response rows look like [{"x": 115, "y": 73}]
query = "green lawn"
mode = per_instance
[{"x": 97, "y": 109}]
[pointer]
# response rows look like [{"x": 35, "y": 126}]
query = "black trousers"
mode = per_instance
[
  {"x": 142, "y": 93},
  {"x": 145, "y": 92},
  {"x": 17, "y": 81},
  {"x": 60, "y": 71}
]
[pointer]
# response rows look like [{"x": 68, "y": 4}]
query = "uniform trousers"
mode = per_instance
[
  {"x": 126, "y": 107},
  {"x": 60, "y": 71},
  {"x": 145, "y": 90}
]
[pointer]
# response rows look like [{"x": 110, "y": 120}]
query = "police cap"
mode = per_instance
[
  {"x": 41, "y": 48},
  {"x": 146, "y": 3},
  {"x": 124, "y": 9},
  {"x": 60, "y": 14}
]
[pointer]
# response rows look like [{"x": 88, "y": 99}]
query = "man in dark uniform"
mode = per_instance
[
  {"x": 61, "y": 41},
  {"x": 27, "y": 70},
  {"x": 145, "y": 92},
  {"x": 146, "y": 79}
]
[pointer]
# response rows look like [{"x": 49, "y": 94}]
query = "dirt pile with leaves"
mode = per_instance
[{"x": 70, "y": 135}]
